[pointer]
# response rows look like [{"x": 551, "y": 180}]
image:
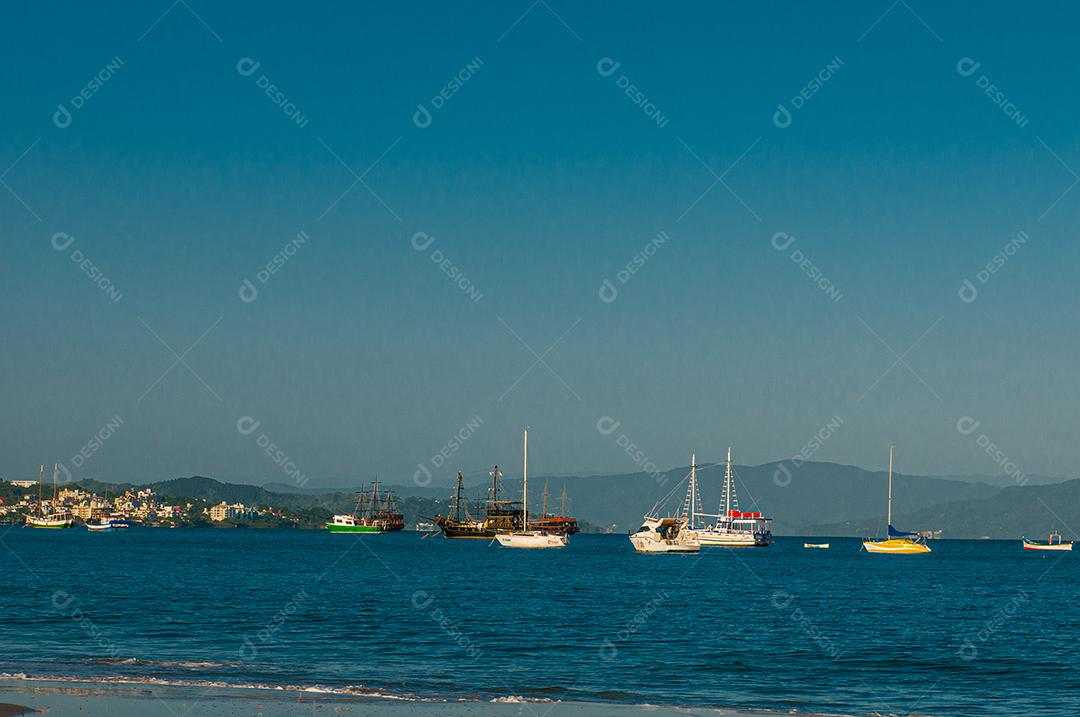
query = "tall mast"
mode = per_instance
[
  {"x": 888, "y": 510},
  {"x": 525, "y": 482},
  {"x": 544, "y": 511},
  {"x": 563, "y": 499},
  {"x": 727, "y": 485},
  {"x": 457, "y": 496},
  {"x": 54, "y": 470},
  {"x": 41, "y": 490},
  {"x": 693, "y": 488}
]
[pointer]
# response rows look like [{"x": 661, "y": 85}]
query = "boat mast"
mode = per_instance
[
  {"x": 525, "y": 484},
  {"x": 41, "y": 490},
  {"x": 727, "y": 486},
  {"x": 888, "y": 508},
  {"x": 544, "y": 511},
  {"x": 54, "y": 470},
  {"x": 693, "y": 488},
  {"x": 457, "y": 497},
  {"x": 564, "y": 499}
]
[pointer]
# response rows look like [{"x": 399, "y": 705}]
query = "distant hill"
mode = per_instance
[
  {"x": 1031, "y": 510},
  {"x": 813, "y": 499},
  {"x": 796, "y": 498}
]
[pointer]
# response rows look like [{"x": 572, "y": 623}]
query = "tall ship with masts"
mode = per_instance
[
  {"x": 730, "y": 526},
  {"x": 54, "y": 518},
  {"x": 372, "y": 514},
  {"x": 493, "y": 515}
]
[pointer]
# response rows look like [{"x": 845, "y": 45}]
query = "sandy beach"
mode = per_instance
[{"x": 92, "y": 698}]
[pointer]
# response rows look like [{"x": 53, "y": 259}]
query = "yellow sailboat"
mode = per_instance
[{"x": 899, "y": 542}]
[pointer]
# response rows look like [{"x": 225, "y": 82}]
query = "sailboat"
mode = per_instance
[
  {"x": 733, "y": 528},
  {"x": 55, "y": 518},
  {"x": 898, "y": 542},
  {"x": 496, "y": 516},
  {"x": 529, "y": 538}
]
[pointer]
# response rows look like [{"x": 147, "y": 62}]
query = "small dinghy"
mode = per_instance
[{"x": 822, "y": 546}]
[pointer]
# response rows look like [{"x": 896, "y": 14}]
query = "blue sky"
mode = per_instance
[{"x": 539, "y": 178}]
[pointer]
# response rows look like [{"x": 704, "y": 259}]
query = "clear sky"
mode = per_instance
[{"x": 157, "y": 156}]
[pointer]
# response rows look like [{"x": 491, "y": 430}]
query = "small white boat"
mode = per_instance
[
  {"x": 529, "y": 538},
  {"x": 821, "y": 546},
  {"x": 1054, "y": 542},
  {"x": 108, "y": 523}
]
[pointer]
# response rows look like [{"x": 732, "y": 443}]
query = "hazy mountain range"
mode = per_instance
[{"x": 811, "y": 499}]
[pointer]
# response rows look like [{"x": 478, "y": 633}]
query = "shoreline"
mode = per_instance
[{"x": 124, "y": 697}]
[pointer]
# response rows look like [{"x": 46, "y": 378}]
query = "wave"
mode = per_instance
[
  {"x": 354, "y": 691},
  {"x": 193, "y": 664}
]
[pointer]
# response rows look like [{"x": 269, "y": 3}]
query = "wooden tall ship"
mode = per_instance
[
  {"x": 372, "y": 514},
  {"x": 495, "y": 515}
]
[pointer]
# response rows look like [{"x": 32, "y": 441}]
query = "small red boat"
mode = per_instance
[{"x": 1054, "y": 542}]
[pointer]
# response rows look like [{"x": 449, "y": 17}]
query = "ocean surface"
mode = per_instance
[{"x": 975, "y": 628}]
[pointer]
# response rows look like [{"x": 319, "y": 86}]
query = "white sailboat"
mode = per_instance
[
  {"x": 733, "y": 528},
  {"x": 526, "y": 538},
  {"x": 55, "y": 518}
]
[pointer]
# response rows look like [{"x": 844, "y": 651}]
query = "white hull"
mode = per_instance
[
  {"x": 1040, "y": 546},
  {"x": 711, "y": 539},
  {"x": 822, "y": 546},
  {"x": 650, "y": 545},
  {"x": 531, "y": 540}
]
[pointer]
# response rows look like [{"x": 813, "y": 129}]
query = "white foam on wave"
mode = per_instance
[{"x": 344, "y": 691}]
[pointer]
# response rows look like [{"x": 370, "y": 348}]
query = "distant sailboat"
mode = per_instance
[
  {"x": 529, "y": 538},
  {"x": 55, "y": 518},
  {"x": 898, "y": 542}
]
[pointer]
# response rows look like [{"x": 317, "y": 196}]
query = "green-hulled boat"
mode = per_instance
[{"x": 369, "y": 516}]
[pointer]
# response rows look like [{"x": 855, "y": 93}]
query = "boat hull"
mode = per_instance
[
  {"x": 354, "y": 528},
  {"x": 709, "y": 539},
  {"x": 531, "y": 540},
  {"x": 649, "y": 545},
  {"x": 896, "y": 547},
  {"x": 1028, "y": 545},
  {"x": 819, "y": 546},
  {"x": 49, "y": 523}
]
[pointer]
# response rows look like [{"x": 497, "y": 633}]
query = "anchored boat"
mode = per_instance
[
  {"x": 668, "y": 534},
  {"x": 370, "y": 514},
  {"x": 1054, "y": 542},
  {"x": 496, "y": 515},
  {"x": 532, "y": 538},
  {"x": 732, "y": 528},
  {"x": 899, "y": 542},
  {"x": 54, "y": 518},
  {"x": 820, "y": 546}
]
